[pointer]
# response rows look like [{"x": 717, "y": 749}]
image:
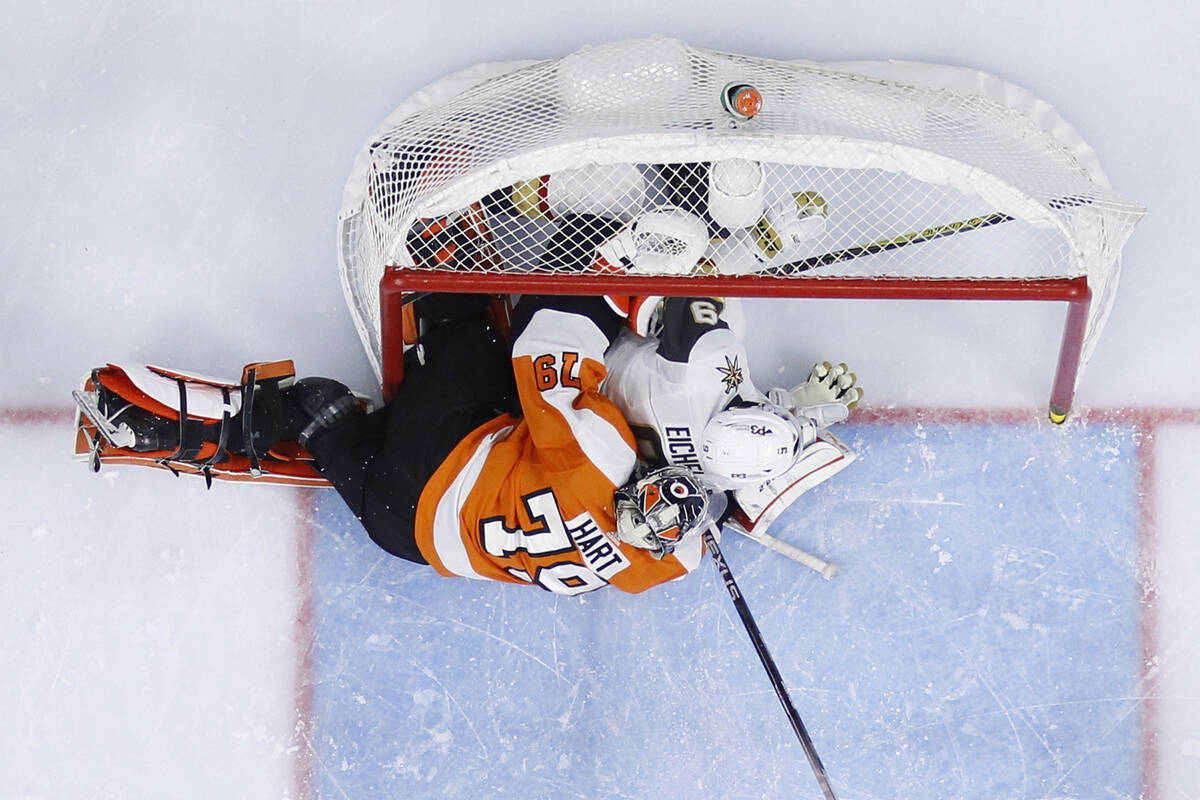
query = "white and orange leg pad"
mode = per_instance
[
  {"x": 759, "y": 506},
  {"x": 112, "y": 394}
]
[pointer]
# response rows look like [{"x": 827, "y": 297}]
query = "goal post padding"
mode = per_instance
[{"x": 894, "y": 151}]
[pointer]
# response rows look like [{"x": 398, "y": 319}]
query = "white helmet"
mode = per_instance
[
  {"x": 735, "y": 192},
  {"x": 748, "y": 445}
]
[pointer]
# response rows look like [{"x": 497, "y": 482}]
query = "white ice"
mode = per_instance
[{"x": 171, "y": 175}]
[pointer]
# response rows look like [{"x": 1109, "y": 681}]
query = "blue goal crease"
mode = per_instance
[{"x": 980, "y": 640}]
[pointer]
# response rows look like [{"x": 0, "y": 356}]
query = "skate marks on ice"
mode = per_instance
[{"x": 983, "y": 639}]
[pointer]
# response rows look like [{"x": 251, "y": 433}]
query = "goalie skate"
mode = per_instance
[{"x": 149, "y": 416}]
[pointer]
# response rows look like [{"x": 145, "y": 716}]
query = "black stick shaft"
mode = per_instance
[
  {"x": 768, "y": 663},
  {"x": 915, "y": 237},
  {"x": 895, "y": 243}
]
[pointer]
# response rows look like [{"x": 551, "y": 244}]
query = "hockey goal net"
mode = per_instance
[{"x": 892, "y": 180}]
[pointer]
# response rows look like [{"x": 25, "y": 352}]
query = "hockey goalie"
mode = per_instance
[{"x": 591, "y": 445}]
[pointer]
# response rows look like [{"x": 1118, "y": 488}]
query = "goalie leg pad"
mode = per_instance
[
  {"x": 617, "y": 191},
  {"x": 190, "y": 424},
  {"x": 153, "y": 410}
]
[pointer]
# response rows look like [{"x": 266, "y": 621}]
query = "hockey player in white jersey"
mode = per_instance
[
  {"x": 678, "y": 365},
  {"x": 681, "y": 379}
]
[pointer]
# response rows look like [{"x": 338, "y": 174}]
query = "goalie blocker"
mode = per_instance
[{"x": 761, "y": 504}]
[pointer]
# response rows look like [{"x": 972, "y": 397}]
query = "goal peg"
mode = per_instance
[{"x": 741, "y": 100}]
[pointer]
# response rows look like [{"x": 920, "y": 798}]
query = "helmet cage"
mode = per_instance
[{"x": 658, "y": 510}]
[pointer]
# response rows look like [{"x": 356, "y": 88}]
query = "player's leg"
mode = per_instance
[
  {"x": 186, "y": 419},
  {"x": 459, "y": 379}
]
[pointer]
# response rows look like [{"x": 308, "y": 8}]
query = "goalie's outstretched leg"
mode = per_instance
[{"x": 255, "y": 429}]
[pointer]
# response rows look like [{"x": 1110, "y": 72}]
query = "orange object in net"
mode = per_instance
[{"x": 748, "y": 101}]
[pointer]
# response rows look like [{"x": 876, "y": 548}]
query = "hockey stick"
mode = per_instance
[
  {"x": 826, "y": 569},
  {"x": 768, "y": 663},
  {"x": 905, "y": 239}
]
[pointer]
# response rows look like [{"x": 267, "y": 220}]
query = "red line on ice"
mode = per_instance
[{"x": 304, "y": 738}]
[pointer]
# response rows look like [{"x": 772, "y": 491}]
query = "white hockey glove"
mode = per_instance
[
  {"x": 790, "y": 221},
  {"x": 828, "y": 396},
  {"x": 666, "y": 241}
]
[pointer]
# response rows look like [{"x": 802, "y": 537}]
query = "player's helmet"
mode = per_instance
[
  {"x": 747, "y": 445},
  {"x": 655, "y": 512}
]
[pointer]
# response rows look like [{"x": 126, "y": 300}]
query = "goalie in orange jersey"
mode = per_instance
[
  {"x": 549, "y": 494},
  {"x": 491, "y": 462},
  {"x": 508, "y": 463}
]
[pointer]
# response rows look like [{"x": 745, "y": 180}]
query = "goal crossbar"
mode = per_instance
[{"x": 398, "y": 282}]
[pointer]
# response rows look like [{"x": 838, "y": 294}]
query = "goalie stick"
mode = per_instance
[
  {"x": 906, "y": 239},
  {"x": 760, "y": 647}
]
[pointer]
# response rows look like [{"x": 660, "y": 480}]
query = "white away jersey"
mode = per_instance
[{"x": 668, "y": 387}]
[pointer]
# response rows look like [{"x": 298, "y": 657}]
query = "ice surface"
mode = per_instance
[
  {"x": 1015, "y": 615},
  {"x": 149, "y": 627},
  {"x": 957, "y": 653}
]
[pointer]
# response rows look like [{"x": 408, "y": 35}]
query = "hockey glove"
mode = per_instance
[
  {"x": 828, "y": 396},
  {"x": 791, "y": 221},
  {"x": 451, "y": 242}
]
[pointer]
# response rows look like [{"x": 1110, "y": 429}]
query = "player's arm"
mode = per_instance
[
  {"x": 701, "y": 348},
  {"x": 558, "y": 362}
]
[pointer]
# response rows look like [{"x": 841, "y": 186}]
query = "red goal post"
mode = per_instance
[{"x": 873, "y": 180}]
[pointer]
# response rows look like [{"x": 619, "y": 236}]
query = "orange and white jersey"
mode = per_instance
[{"x": 530, "y": 499}]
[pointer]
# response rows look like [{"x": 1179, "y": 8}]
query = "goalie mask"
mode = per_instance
[
  {"x": 748, "y": 445},
  {"x": 655, "y": 512}
]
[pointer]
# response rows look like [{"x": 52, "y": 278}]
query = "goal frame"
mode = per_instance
[
  {"x": 398, "y": 283},
  {"x": 940, "y": 153}
]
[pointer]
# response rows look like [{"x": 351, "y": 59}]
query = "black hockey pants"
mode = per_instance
[{"x": 380, "y": 463}]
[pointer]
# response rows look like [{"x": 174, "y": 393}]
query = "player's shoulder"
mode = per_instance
[{"x": 545, "y": 314}]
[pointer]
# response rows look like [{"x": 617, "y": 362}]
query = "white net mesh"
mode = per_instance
[{"x": 891, "y": 170}]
